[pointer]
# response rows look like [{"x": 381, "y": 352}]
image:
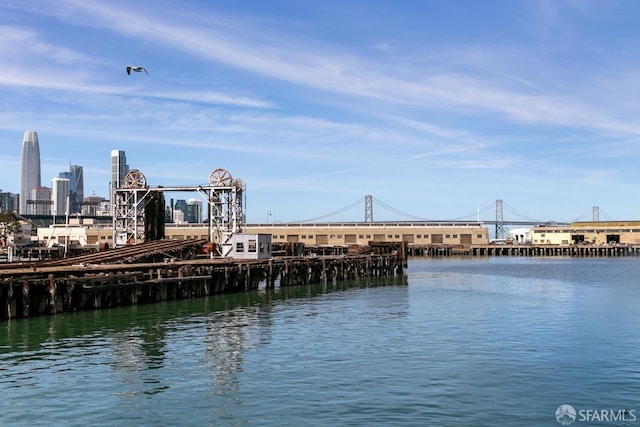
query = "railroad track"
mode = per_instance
[{"x": 124, "y": 255}]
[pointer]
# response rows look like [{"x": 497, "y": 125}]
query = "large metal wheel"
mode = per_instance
[
  {"x": 220, "y": 178},
  {"x": 135, "y": 179}
]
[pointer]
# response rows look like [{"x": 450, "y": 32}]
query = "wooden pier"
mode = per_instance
[
  {"x": 526, "y": 250},
  {"x": 163, "y": 270}
]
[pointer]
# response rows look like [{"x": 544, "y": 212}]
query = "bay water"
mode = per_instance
[{"x": 452, "y": 342}]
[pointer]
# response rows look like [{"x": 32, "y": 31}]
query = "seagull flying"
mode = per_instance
[{"x": 137, "y": 69}]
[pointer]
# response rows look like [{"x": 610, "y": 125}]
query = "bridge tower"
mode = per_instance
[
  {"x": 595, "y": 214},
  {"x": 500, "y": 231},
  {"x": 368, "y": 208}
]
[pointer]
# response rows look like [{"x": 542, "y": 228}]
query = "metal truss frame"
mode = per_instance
[{"x": 224, "y": 196}]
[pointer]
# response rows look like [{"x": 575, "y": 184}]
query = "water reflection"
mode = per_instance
[
  {"x": 137, "y": 335},
  {"x": 229, "y": 335},
  {"x": 470, "y": 343}
]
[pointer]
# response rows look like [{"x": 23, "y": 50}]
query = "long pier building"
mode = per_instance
[
  {"x": 91, "y": 232},
  {"x": 139, "y": 215},
  {"x": 95, "y": 232}
]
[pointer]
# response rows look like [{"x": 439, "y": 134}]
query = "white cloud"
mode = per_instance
[
  {"x": 322, "y": 67},
  {"x": 315, "y": 112}
]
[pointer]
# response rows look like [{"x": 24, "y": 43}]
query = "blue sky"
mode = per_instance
[{"x": 435, "y": 108}]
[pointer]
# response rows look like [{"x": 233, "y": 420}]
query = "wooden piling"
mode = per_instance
[
  {"x": 53, "y": 287},
  {"x": 526, "y": 250}
]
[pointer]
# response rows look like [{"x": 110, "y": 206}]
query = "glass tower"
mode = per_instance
[
  {"x": 194, "y": 211},
  {"x": 29, "y": 169},
  {"x": 119, "y": 169},
  {"x": 76, "y": 187}
]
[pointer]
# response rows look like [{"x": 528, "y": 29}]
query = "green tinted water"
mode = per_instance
[{"x": 454, "y": 342}]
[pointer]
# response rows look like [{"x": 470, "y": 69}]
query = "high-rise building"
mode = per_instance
[
  {"x": 59, "y": 195},
  {"x": 180, "y": 206},
  {"x": 8, "y": 202},
  {"x": 76, "y": 187},
  {"x": 178, "y": 217},
  {"x": 119, "y": 169},
  {"x": 194, "y": 211},
  {"x": 39, "y": 202},
  {"x": 92, "y": 205},
  {"x": 29, "y": 169}
]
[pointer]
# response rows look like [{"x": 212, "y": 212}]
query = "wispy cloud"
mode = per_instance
[
  {"x": 21, "y": 44},
  {"x": 22, "y": 52},
  {"x": 324, "y": 68},
  {"x": 300, "y": 110}
]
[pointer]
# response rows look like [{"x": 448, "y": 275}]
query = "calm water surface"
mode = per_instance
[{"x": 454, "y": 342}]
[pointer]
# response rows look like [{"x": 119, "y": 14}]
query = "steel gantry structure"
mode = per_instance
[{"x": 224, "y": 197}]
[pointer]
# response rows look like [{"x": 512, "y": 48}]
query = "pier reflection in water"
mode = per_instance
[{"x": 120, "y": 358}]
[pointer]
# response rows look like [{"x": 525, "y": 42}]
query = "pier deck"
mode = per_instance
[
  {"x": 526, "y": 250},
  {"x": 164, "y": 270}
]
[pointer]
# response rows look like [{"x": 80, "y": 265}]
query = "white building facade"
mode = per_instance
[{"x": 59, "y": 196}]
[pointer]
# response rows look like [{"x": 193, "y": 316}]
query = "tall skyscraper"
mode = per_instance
[
  {"x": 180, "y": 211},
  {"x": 76, "y": 187},
  {"x": 8, "y": 202},
  {"x": 119, "y": 169},
  {"x": 194, "y": 211},
  {"x": 29, "y": 169},
  {"x": 59, "y": 195}
]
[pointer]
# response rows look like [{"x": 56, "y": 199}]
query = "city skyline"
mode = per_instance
[
  {"x": 66, "y": 190},
  {"x": 434, "y": 108}
]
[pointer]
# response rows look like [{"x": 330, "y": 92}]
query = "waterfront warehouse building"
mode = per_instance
[
  {"x": 94, "y": 231},
  {"x": 594, "y": 233},
  {"x": 98, "y": 230},
  {"x": 361, "y": 233}
]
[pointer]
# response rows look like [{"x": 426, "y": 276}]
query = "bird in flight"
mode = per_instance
[{"x": 137, "y": 69}]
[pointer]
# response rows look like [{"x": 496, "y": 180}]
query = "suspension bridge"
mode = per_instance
[{"x": 492, "y": 214}]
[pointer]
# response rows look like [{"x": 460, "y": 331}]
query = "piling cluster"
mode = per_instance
[
  {"x": 40, "y": 290},
  {"x": 526, "y": 250}
]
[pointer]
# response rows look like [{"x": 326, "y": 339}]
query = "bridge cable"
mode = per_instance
[
  {"x": 582, "y": 216},
  {"x": 475, "y": 214},
  {"x": 339, "y": 211},
  {"x": 521, "y": 215},
  {"x": 607, "y": 217},
  {"x": 394, "y": 210}
]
